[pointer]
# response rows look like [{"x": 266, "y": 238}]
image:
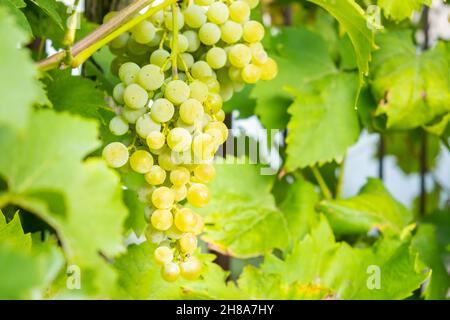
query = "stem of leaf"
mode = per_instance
[
  {"x": 323, "y": 186},
  {"x": 340, "y": 181}
]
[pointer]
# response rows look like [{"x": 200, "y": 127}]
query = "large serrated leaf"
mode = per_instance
[{"x": 400, "y": 10}]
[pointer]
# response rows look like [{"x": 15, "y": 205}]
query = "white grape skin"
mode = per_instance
[
  {"x": 160, "y": 57},
  {"x": 144, "y": 32},
  {"x": 145, "y": 124},
  {"x": 177, "y": 91},
  {"x": 218, "y": 13},
  {"x": 118, "y": 92},
  {"x": 179, "y": 139},
  {"x": 131, "y": 115},
  {"x": 193, "y": 40},
  {"x": 190, "y": 111},
  {"x": 115, "y": 154},
  {"x": 231, "y": 32},
  {"x": 128, "y": 72},
  {"x": 162, "y": 110},
  {"x": 135, "y": 96},
  {"x": 118, "y": 126},
  {"x": 216, "y": 58},
  {"x": 150, "y": 77},
  {"x": 201, "y": 70},
  {"x": 194, "y": 16},
  {"x": 209, "y": 34}
]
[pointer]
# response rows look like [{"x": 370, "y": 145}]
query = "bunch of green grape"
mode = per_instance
[{"x": 176, "y": 70}]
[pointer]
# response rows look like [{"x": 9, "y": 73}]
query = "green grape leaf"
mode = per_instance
[
  {"x": 136, "y": 219},
  {"x": 18, "y": 72},
  {"x": 12, "y": 233},
  {"x": 242, "y": 102},
  {"x": 373, "y": 207},
  {"x": 50, "y": 8},
  {"x": 353, "y": 21},
  {"x": 412, "y": 88},
  {"x": 140, "y": 278},
  {"x": 14, "y": 9},
  {"x": 400, "y": 10},
  {"x": 302, "y": 57},
  {"x": 242, "y": 214},
  {"x": 324, "y": 122}
]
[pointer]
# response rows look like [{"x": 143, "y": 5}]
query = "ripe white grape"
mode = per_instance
[
  {"x": 162, "y": 110},
  {"x": 131, "y": 115},
  {"x": 170, "y": 272},
  {"x": 163, "y": 198},
  {"x": 145, "y": 124},
  {"x": 161, "y": 219},
  {"x": 259, "y": 55},
  {"x": 217, "y": 13},
  {"x": 193, "y": 40},
  {"x": 163, "y": 255},
  {"x": 150, "y": 77},
  {"x": 128, "y": 72},
  {"x": 219, "y": 126},
  {"x": 201, "y": 70},
  {"x": 135, "y": 96},
  {"x": 213, "y": 103},
  {"x": 252, "y": 3},
  {"x": 155, "y": 140},
  {"x": 191, "y": 269},
  {"x": 231, "y": 32},
  {"x": 185, "y": 220},
  {"x": 118, "y": 92},
  {"x": 239, "y": 55},
  {"x": 141, "y": 161},
  {"x": 216, "y": 58},
  {"x": 180, "y": 176},
  {"x": 203, "y": 147},
  {"x": 209, "y": 34},
  {"x": 168, "y": 20},
  {"x": 185, "y": 61},
  {"x": 253, "y": 31},
  {"x": 204, "y": 173},
  {"x": 194, "y": 16},
  {"x": 188, "y": 242},
  {"x": 198, "y": 195},
  {"x": 155, "y": 176},
  {"x": 180, "y": 192},
  {"x": 118, "y": 126},
  {"x": 190, "y": 111},
  {"x": 144, "y": 32},
  {"x": 199, "y": 90},
  {"x": 161, "y": 57},
  {"x": 179, "y": 139},
  {"x": 115, "y": 154},
  {"x": 177, "y": 91},
  {"x": 251, "y": 73},
  {"x": 239, "y": 11},
  {"x": 269, "y": 69}
]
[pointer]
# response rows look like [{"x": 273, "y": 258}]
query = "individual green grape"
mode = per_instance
[
  {"x": 183, "y": 43},
  {"x": 141, "y": 161},
  {"x": 155, "y": 176},
  {"x": 252, "y": 3},
  {"x": 180, "y": 192},
  {"x": 121, "y": 41},
  {"x": 234, "y": 73},
  {"x": 177, "y": 92},
  {"x": 165, "y": 160},
  {"x": 253, "y": 31},
  {"x": 118, "y": 92},
  {"x": 115, "y": 154},
  {"x": 198, "y": 195},
  {"x": 152, "y": 234},
  {"x": 180, "y": 176},
  {"x": 157, "y": 18},
  {"x": 161, "y": 57},
  {"x": 185, "y": 220},
  {"x": 144, "y": 32},
  {"x": 226, "y": 91},
  {"x": 213, "y": 103},
  {"x": 216, "y": 58},
  {"x": 163, "y": 255},
  {"x": 128, "y": 72},
  {"x": 204, "y": 173},
  {"x": 191, "y": 269},
  {"x": 174, "y": 233},
  {"x": 203, "y": 147},
  {"x": 220, "y": 115},
  {"x": 155, "y": 140},
  {"x": 217, "y": 13},
  {"x": 150, "y": 77},
  {"x": 238, "y": 86},
  {"x": 168, "y": 20},
  {"x": 190, "y": 111},
  {"x": 216, "y": 134},
  {"x": 181, "y": 124},
  {"x": 209, "y": 34},
  {"x": 179, "y": 139},
  {"x": 162, "y": 110},
  {"x": 118, "y": 126},
  {"x": 156, "y": 39},
  {"x": 199, "y": 90},
  {"x": 163, "y": 198},
  {"x": 199, "y": 226},
  {"x": 239, "y": 55},
  {"x": 239, "y": 11},
  {"x": 269, "y": 69},
  {"x": 231, "y": 32},
  {"x": 194, "y": 16},
  {"x": 220, "y": 126},
  {"x": 251, "y": 73},
  {"x": 259, "y": 55},
  {"x": 170, "y": 272},
  {"x": 185, "y": 60},
  {"x": 201, "y": 70},
  {"x": 212, "y": 84},
  {"x": 188, "y": 243},
  {"x": 135, "y": 96},
  {"x": 145, "y": 124},
  {"x": 193, "y": 40},
  {"x": 131, "y": 115},
  {"x": 161, "y": 219}
]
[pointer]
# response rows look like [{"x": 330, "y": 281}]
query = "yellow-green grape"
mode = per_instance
[
  {"x": 239, "y": 55},
  {"x": 198, "y": 195},
  {"x": 155, "y": 176},
  {"x": 201, "y": 70},
  {"x": 180, "y": 176},
  {"x": 144, "y": 32},
  {"x": 156, "y": 39},
  {"x": 128, "y": 72},
  {"x": 179, "y": 139},
  {"x": 203, "y": 147},
  {"x": 251, "y": 73},
  {"x": 135, "y": 96},
  {"x": 220, "y": 126},
  {"x": 199, "y": 90},
  {"x": 157, "y": 18},
  {"x": 185, "y": 60},
  {"x": 131, "y": 115},
  {"x": 217, "y": 13},
  {"x": 259, "y": 55},
  {"x": 205, "y": 120},
  {"x": 150, "y": 77},
  {"x": 120, "y": 42},
  {"x": 185, "y": 220},
  {"x": 181, "y": 124},
  {"x": 234, "y": 74},
  {"x": 118, "y": 92},
  {"x": 269, "y": 70},
  {"x": 238, "y": 86},
  {"x": 145, "y": 125},
  {"x": 161, "y": 219},
  {"x": 213, "y": 103},
  {"x": 170, "y": 272},
  {"x": 174, "y": 232},
  {"x": 141, "y": 161},
  {"x": 161, "y": 57},
  {"x": 168, "y": 20},
  {"x": 209, "y": 34},
  {"x": 188, "y": 242},
  {"x": 252, "y": 3},
  {"x": 212, "y": 84},
  {"x": 177, "y": 91},
  {"x": 155, "y": 140},
  {"x": 162, "y": 110},
  {"x": 152, "y": 234},
  {"x": 226, "y": 91},
  {"x": 163, "y": 255},
  {"x": 239, "y": 11},
  {"x": 216, "y": 134},
  {"x": 204, "y": 172},
  {"x": 216, "y": 57},
  {"x": 194, "y": 16},
  {"x": 118, "y": 126},
  {"x": 163, "y": 198},
  {"x": 191, "y": 110},
  {"x": 180, "y": 192},
  {"x": 253, "y": 31},
  {"x": 144, "y": 194},
  {"x": 231, "y": 32},
  {"x": 198, "y": 229},
  {"x": 193, "y": 40},
  {"x": 183, "y": 43},
  {"x": 115, "y": 154},
  {"x": 203, "y": 2},
  {"x": 191, "y": 269},
  {"x": 220, "y": 115},
  {"x": 165, "y": 160}
]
